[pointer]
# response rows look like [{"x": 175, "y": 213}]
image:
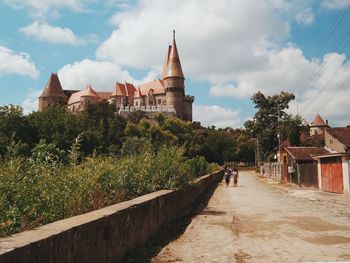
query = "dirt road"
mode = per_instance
[{"x": 257, "y": 222}]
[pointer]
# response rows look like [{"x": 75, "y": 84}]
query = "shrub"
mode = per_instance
[{"x": 42, "y": 189}]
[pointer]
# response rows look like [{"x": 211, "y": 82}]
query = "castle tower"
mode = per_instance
[
  {"x": 53, "y": 93},
  {"x": 318, "y": 126},
  {"x": 174, "y": 79},
  {"x": 89, "y": 97}
]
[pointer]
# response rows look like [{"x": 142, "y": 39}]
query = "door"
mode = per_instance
[{"x": 332, "y": 175}]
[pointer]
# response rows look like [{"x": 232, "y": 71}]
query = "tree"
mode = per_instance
[
  {"x": 266, "y": 124},
  {"x": 15, "y": 130}
]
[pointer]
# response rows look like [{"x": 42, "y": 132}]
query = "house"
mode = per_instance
[
  {"x": 166, "y": 95},
  {"x": 333, "y": 168},
  {"x": 300, "y": 167}
]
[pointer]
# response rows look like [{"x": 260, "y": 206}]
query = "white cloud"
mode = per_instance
[
  {"x": 281, "y": 71},
  {"x": 51, "y": 34},
  {"x": 12, "y": 63},
  {"x": 215, "y": 115},
  {"x": 102, "y": 75},
  {"x": 326, "y": 91},
  {"x": 40, "y": 8},
  {"x": 30, "y": 104},
  {"x": 305, "y": 17},
  {"x": 215, "y": 31},
  {"x": 335, "y": 4}
]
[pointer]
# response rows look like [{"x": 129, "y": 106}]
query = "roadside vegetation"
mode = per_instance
[{"x": 55, "y": 164}]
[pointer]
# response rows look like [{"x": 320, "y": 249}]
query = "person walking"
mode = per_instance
[
  {"x": 227, "y": 176},
  {"x": 235, "y": 176}
]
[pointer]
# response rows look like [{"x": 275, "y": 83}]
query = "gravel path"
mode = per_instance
[{"x": 258, "y": 222}]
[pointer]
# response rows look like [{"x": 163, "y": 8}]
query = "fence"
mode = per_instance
[
  {"x": 307, "y": 173},
  {"x": 271, "y": 170}
]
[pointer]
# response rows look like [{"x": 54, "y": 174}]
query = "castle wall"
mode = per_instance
[
  {"x": 187, "y": 108},
  {"x": 45, "y": 102}
]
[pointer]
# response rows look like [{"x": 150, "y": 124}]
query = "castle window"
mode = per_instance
[
  {"x": 136, "y": 103},
  {"x": 159, "y": 101}
]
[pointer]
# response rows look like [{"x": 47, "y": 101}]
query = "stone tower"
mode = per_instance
[
  {"x": 52, "y": 94},
  {"x": 174, "y": 79},
  {"x": 88, "y": 97},
  {"x": 318, "y": 126}
]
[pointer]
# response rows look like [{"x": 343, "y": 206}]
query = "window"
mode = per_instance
[
  {"x": 159, "y": 101},
  {"x": 136, "y": 103}
]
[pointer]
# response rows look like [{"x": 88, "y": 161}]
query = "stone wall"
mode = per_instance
[{"x": 107, "y": 234}]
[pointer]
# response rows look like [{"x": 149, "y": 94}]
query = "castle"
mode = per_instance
[{"x": 165, "y": 95}]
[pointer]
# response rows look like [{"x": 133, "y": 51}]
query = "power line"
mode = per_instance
[
  {"x": 323, "y": 42},
  {"x": 323, "y": 88},
  {"x": 340, "y": 87}
]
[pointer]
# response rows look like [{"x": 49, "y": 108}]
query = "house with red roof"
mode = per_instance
[
  {"x": 333, "y": 168},
  {"x": 165, "y": 95},
  {"x": 300, "y": 167}
]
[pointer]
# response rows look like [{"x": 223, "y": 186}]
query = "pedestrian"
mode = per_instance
[
  {"x": 227, "y": 177},
  {"x": 235, "y": 176}
]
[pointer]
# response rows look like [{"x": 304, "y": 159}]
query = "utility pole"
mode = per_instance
[{"x": 257, "y": 156}]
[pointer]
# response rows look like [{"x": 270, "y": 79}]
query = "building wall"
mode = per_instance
[
  {"x": 346, "y": 177},
  {"x": 316, "y": 130},
  {"x": 333, "y": 143},
  {"x": 50, "y": 101}
]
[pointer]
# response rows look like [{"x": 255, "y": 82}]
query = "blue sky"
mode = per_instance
[{"x": 229, "y": 49}]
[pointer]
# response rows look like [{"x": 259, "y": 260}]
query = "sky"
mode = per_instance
[{"x": 229, "y": 49}]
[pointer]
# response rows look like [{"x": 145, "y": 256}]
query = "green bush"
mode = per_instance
[{"x": 42, "y": 189}]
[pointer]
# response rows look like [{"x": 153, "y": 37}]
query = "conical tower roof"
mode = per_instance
[
  {"x": 165, "y": 66},
  {"x": 174, "y": 64},
  {"x": 53, "y": 88},
  {"x": 318, "y": 121},
  {"x": 89, "y": 92}
]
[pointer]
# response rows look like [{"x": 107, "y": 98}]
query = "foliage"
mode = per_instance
[
  {"x": 267, "y": 124},
  {"x": 43, "y": 189}
]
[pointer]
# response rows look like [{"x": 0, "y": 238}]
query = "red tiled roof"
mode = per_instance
[
  {"x": 318, "y": 121},
  {"x": 174, "y": 65},
  {"x": 126, "y": 89},
  {"x": 305, "y": 153},
  {"x": 89, "y": 92},
  {"x": 75, "y": 97},
  {"x": 69, "y": 92},
  {"x": 130, "y": 89},
  {"x": 53, "y": 88},
  {"x": 342, "y": 134},
  {"x": 165, "y": 66},
  {"x": 104, "y": 95},
  {"x": 156, "y": 85},
  {"x": 119, "y": 90}
]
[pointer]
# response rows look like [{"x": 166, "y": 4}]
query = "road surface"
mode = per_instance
[{"x": 260, "y": 222}]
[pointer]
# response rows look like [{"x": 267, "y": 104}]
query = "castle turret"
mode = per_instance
[
  {"x": 318, "y": 126},
  {"x": 174, "y": 80},
  {"x": 89, "y": 96},
  {"x": 53, "y": 93}
]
